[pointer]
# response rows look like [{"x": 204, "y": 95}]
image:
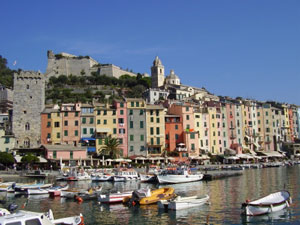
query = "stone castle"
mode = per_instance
[
  {"x": 67, "y": 64},
  {"x": 28, "y": 103}
]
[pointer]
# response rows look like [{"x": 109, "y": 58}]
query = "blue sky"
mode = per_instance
[{"x": 232, "y": 48}]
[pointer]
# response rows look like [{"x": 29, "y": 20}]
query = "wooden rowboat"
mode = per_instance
[{"x": 271, "y": 203}]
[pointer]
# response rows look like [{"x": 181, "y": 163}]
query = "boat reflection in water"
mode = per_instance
[{"x": 275, "y": 217}]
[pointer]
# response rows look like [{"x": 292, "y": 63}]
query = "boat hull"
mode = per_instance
[
  {"x": 114, "y": 198},
  {"x": 175, "y": 179},
  {"x": 188, "y": 202},
  {"x": 268, "y": 204}
]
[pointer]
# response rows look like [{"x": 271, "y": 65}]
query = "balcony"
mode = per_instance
[
  {"x": 181, "y": 149},
  {"x": 231, "y": 128},
  {"x": 233, "y": 136}
]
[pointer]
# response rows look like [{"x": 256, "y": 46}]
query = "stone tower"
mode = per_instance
[
  {"x": 29, "y": 102},
  {"x": 157, "y": 73}
]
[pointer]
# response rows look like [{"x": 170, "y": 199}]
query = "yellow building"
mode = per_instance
[
  {"x": 155, "y": 129},
  {"x": 56, "y": 124},
  {"x": 106, "y": 124}
]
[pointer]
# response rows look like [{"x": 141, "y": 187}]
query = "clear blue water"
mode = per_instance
[{"x": 226, "y": 197}]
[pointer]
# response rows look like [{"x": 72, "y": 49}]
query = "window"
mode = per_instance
[
  {"x": 104, "y": 112},
  {"x": 121, "y": 121},
  {"x": 100, "y": 141},
  {"x": 66, "y": 122},
  {"x": 121, "y": 104},
  {"x": 158, "y": 141},
  {"x": 142, "y": 137},
  {"x": 137, "y": 104},
  {"x": 66, "y": 133},
  {"x": 98, "y": 112},
  {"x": 57, "y": 135},
  {"x": 193, "y": 147},
  {"x": 141, "y": 124},
  {"x": 71, "y": 154},
  {"x": 121, "y": 112},
  {"x": 66, "y": 113},
  {"x": 76, "y": 132},
  {"x": 6, "y": 140},
  {"x": 176, "y": 127},
  {"x": 91, "y": 130},
  {"x": 56, "y": 124},
  {"x": 142, "y": 148},
  {"x": 131, "y": 148},
  {"x": 157, "y": 120},
  {"x": 48, "y": 124},
  {"x": 84, "y": 131},
  {"x": 131, "y": 137},
  {"x": 83, "y": 120},
  {"x": 151, "y": 130},
  {"x": 114, "y": 121},
  {"x": 120, "y": 141},
  {"x": 29, "y": 222},
  {"x": 58, "y": 114},
  {"x": 192, "y": 135},
  {"x": 151, "y": 119},
  {"x": 167, "y": 136},
  {"x": 76, "y": 122},
  {"x": 115, "y": 130},
  {"x": 187, "y": 117},
  {"x": 152, "y": 141},
  {"x": 91, "y": 120},
  {"x": 122, "y": 131},
  {"x": 48, "y": 135},
  {"x": 27, "y": 126},
  {"x": 176, "y": 136},
  {"x": 131, "y": 124},
  {"x": 130, "y": 112},
  {"x": 132, "y": 104},
  {"x": 105, "y": 122},
  {"x": 49, "y": 115},
  {"x": 54, "y": 154},
  {"x": 187, "y": 108},
  {"x": 141, "y": 113}
]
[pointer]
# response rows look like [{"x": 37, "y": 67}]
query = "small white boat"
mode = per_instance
[
  {"x": 178, "y": 176},
  {"x": 147, "y": 178},
  {"x": 71, "y": 193},
  {"x": 128, "y": 174},
  {"x": 27, "y": 217},
  {"x": 37, "y": 191},
  {"x": 101, "y": 178},
  {"x": 271, "y": 203},
  {"x": 119, "y": 179},
  {"x": 55, "y": 191},
  {"x": 114, "y": 197},
  {"x": 183, "y": 202}
]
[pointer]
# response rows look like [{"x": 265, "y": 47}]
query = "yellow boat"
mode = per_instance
[{"x": 151, "y": 197}]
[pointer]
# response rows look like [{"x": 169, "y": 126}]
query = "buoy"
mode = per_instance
[
  {"x": 78, "y": 199},
  {"x": 133, "y": 203},
  {"x": 247, "y": 200}
]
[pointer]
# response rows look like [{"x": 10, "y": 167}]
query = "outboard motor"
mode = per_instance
[{"x": 12, "y": 207}]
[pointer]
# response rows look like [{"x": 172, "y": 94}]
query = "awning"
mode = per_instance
[
  {"x": 252, "y": 153},
  {"x": 229, "y": 151},
  {"x": 42, "y": 159},
  {"x": 231, "y": 157},
  {"x": 18, "y": 158},
  {"x": 272, "y": 154},
  {"x": 244, "y": 156},
  {"x": 103, "y": 130}
]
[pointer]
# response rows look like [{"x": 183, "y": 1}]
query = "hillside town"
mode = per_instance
[{"x": 171, "y": 122}]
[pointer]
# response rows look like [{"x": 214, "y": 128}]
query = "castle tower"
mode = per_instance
[
  {"x": 29, "y": 102},
  {"x": 157, "y": 73}
]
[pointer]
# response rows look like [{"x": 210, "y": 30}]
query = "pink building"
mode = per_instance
[
  {"x": 65, "y": 154},
  {"x": 121, "y": 112}
]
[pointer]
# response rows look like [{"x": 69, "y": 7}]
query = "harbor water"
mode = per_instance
[{"x": 226, "y": 198}]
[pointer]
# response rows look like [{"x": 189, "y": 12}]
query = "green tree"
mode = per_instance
[
  {"x": 111, "y": 148},
  {"x": 6, "y": 74},
  {"x": 6, "y": 158},
  {"x": 30, "y": 159}
]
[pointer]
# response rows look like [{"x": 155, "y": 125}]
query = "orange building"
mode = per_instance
[
  {"x": 46, "y": 126},
  {"x": 174, "y": 132},
  {"x": 70, "y": 123}
]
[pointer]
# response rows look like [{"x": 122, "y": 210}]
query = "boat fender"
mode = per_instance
[
  {"x": 287, "y": 204},
  {"x": 78, "y": 199},
  {"x": 133, "y": 203},
  {"x": 271, "y": 207},
  {"x": 247, "y": 200}
]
